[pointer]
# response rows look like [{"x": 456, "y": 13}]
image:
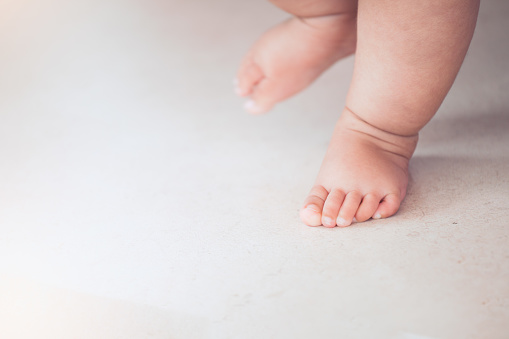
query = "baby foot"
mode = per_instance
[
  {"x": 364, "y": 175},
  {"x": 291, "y": 55}
]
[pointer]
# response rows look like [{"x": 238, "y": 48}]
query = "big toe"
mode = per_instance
[{"x": 311, "y": 213}]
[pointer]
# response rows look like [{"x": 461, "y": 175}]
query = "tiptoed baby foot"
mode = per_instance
[
  {"x": 291, "y": 55},
  {"x": 364, "y": 175}
]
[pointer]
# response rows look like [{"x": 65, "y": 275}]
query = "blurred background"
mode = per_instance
[{"x": 138, "y": 200}]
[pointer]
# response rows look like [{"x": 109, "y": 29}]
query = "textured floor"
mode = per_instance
[{"x": 138, "y": 200}]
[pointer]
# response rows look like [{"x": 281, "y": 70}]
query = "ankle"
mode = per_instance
[
  {"x": 333, "y": 24},
  {"x": 400, "y": 144},
  {"x": 338, "y": 31}
]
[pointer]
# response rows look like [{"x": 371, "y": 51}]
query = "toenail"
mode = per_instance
[
  {"x": 342, "y": 222},
  {"x": 377, "y": 216},
  {"x": 327, "y": 221},
  {"x": 252, "y": 107}
]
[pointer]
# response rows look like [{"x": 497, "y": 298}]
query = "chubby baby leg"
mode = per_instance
[{"x": 408, "y": 55}]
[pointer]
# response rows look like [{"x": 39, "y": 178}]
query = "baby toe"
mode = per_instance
[
  {"x": 349, "y": 208},
  {"x": 367, "y": 207},
  {"x": 331, "y": 207},
  {"x": 248, "y": 76},
  {"x": 311, "y": 213},
  {"x": 266, "y": 94},
  {"x": 389, "y": 206}
]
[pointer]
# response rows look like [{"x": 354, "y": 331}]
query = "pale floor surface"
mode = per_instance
[{"x": 138, "y": 200}]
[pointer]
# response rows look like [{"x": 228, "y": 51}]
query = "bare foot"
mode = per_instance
[
  {"x": 364, "y": 175},
  {"x": 291, "y": 55}
]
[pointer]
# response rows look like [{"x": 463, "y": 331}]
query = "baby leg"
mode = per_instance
[{"x": 408, "y": 55}]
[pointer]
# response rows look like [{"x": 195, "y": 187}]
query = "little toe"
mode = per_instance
[
  {"x": 311, "y": 213},
  {"x": 331, "y": 208},
  {"x": 349, "y": 208},
  {"x": 389, "y": 206},
  {"x": 248, "y": 76},
  {"x": 367, "y": 207}
]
